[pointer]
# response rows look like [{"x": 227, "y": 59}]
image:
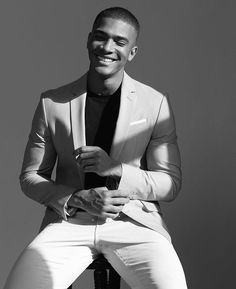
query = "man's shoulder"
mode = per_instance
[
  {"x": 65, "y": 92},
  {"x": 60, "y": 93},
  {"x": 146, "y": 90}
]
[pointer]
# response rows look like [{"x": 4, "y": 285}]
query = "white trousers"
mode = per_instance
[{"x": 61, "y": 252}]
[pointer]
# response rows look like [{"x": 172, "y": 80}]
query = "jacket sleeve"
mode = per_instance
[
  {"x": 161, "y": 179},
  {"x": 39, "y": 160}
]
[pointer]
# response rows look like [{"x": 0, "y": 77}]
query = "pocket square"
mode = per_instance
[{"x": 138, "y": 121}]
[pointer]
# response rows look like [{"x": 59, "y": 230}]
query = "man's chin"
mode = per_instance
[{"x": 104, "y": 72}]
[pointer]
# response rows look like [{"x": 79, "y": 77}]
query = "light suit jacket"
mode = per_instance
[{"x": 144, "y": 142}]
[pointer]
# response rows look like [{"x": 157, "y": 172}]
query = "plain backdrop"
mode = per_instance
[{"x": 186, "y": 50}]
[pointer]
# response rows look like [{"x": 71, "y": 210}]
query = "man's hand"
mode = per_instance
[
  {"x": 100, "y": 201},
  {"x": 96, "y": 160}
]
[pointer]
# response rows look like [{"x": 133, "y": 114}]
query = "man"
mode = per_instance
[{"x": 115, "y": 145}]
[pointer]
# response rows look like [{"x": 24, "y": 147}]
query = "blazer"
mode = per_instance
[{"x": 144, "y": 142}]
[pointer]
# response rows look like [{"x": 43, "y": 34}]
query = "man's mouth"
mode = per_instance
[{"x": 105, "y": 59}]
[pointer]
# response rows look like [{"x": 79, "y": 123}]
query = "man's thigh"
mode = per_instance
[
  {"x": 55, "y": 258},
  {"x": 144, "y": 258}
]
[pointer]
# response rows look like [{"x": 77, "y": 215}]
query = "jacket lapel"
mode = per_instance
[
  {"x": 77, "y": 107},
  {"x": 127, "y": 103}
]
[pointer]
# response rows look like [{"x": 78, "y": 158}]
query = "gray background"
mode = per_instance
[{"x": 186, "y": 49}]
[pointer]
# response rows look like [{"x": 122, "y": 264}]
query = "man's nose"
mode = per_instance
[{"x": 108, "y": 45}]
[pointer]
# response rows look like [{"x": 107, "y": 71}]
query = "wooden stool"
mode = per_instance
[{"x": 100, "y": 267}]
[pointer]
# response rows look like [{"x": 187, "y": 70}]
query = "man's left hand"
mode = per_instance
[{"x": 96, "y": 160}]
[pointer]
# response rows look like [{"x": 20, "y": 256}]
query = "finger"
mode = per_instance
[
  {"x": 87, "y": 162},
  {"x": 114, "y": 209},
  {"x": 110, "y": 215},
  {"x": 84, "y": 149},
  {"x": 87, "y": 155},
  {"x": 110, "y": 209},
  {"x": 119, "y": 201},
  {"x": 99, "y": 189},
  {"x": 74, "y": 202},
  {"x": 119, "y": 193},
  {"x": 90, "y": 169},
  {"x": 77, "y": 153},
  {"x": 80, "y": 158}
]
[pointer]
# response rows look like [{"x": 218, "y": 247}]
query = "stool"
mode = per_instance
[{"x": 100, "y": 267}]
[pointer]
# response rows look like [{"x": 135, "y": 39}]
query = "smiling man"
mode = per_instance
[
  {"x": 111, "y": 44},
  {"x": 115, "y": 144}
]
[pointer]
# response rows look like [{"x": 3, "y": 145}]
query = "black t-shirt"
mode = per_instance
[{"x": 101, "y": 113}]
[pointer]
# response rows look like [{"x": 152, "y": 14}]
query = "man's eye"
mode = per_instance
[
  {"x": 121, "y": 43},
  {"x": 99, "y": 37}
]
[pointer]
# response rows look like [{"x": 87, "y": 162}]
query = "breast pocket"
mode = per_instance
[{"x": 138, "y": 122}]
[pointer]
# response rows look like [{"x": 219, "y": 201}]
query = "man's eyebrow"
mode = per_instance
[
  {"x": 117, "y": 37},
  {"x": 122, "y": 38}
]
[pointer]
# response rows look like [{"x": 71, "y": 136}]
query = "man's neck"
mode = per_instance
[{"x": 104, "y": 86}]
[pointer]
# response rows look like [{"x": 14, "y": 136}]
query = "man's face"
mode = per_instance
[{"x": 110, "y": 45}]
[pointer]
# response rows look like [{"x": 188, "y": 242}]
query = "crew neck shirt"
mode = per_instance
[{"x": 101, "y": 113}]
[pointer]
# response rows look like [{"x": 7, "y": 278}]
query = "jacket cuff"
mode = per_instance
[
  {"x": 61, "y": 207},
  {"x": 68, "y": 211},
  {"x": 128, "y": 179}
]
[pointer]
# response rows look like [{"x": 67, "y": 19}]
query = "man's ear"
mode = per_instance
[
  {"x": 89, "y": 38},
  {"x": 132, "y": 53}
]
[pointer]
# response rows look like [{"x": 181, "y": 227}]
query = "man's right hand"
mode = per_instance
[{"x": 100, "y": 201}]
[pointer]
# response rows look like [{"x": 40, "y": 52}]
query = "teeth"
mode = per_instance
[{"x": 105, "y": 59}]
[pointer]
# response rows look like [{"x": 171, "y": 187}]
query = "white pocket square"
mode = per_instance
[{"x": 138, "y": 121}]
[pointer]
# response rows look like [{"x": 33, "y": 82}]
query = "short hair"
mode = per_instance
[{"x": 118, "y": 13}]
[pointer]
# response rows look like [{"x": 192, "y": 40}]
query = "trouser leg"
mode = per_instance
[
  {"x": 55, "y": 258},
  {"x": 144, "y": 258},
  {"x": 61, "y": 252}
]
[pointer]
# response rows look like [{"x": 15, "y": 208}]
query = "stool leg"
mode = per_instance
[
  {"x": 114, "y": 279},
  {"x": 100, "y": 279}
]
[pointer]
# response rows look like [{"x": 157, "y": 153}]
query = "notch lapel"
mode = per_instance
[
  {"x": 127, "y": 104},
  {"x": 77, "y": 107}
]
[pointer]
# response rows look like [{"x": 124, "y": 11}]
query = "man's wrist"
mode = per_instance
[
  {"x": 113, "y": 180},
  {"x": 77, "y": 199},
  {"x": 116, "y": 172}
]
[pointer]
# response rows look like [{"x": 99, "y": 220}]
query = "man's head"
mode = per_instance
[
  {"x": 118, "y": 13},
  {"x": 112, "y": 41}
]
